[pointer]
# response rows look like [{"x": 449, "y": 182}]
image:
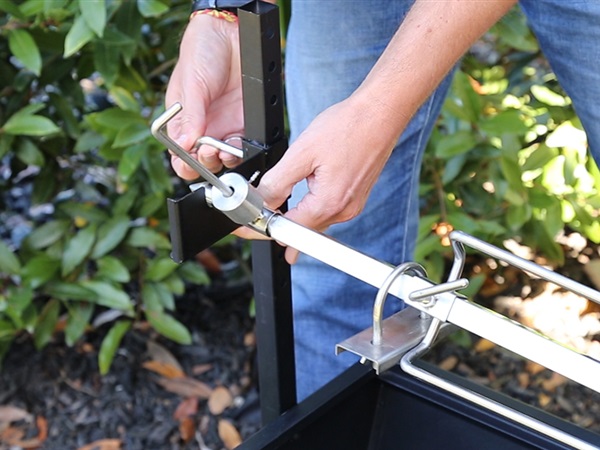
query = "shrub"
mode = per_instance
[
  {"x": 508, "y": 158},
  {"x": 84, "y": 183}
]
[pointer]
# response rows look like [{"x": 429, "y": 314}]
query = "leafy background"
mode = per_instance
[{"x": 83, "y": 184}]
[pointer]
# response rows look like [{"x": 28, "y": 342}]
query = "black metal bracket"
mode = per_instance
[{"x": 196, "y": 226}]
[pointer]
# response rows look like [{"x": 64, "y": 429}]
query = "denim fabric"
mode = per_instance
[
  {"x": 331, "y": 46},
  {"x": 569, "y": 36}
]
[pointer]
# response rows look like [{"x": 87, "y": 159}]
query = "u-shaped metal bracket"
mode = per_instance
[{"x": 383, "y": 292}]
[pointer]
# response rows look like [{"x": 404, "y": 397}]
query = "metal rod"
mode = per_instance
[
  {"x": 439, "y": 289},
  {"x": 526, "y": 342},
  {"x": 341, "y": 257},
  {"x": 525, "y": 265},
  {"x": 467, "y": 315},
  {"x": 158, "y": 132},
  {"x": 406, "y": 363},
  {"x": 220, "y": 145}
]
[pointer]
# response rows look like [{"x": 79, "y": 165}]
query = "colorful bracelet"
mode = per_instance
[{"x": 217, "y": 13}]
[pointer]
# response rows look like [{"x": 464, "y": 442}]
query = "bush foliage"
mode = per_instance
[
  {"x": 80, "y": 83},
  {"x": 84, "y": 235},
  {"x": 508, "y": 158}
]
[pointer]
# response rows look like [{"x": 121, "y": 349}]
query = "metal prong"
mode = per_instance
[
  {"x": 220, "y": 145},
  {"x": 449, "y": 286},
  {"x": 158, "y": 132}
]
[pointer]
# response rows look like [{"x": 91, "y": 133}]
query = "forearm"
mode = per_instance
[{"x": 432, "y": 38}]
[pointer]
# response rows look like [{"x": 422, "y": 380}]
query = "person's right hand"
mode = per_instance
[{"x": 207, "y": 83}]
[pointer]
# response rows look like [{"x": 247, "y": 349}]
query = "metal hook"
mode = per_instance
[
  {"x": 383, "y": 292},
  {"x": 220, "y": 145},
  {"x": 158, "y": 132}
]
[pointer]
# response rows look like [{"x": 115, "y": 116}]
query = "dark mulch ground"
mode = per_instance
[
  {"x": 133, "y": 407},
  {"x": 60, "y": 402}
]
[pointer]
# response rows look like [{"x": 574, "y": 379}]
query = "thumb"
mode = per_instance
[{"x": 276, "y": 185}]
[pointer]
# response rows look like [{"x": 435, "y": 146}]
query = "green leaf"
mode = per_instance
[
  {"x": 174, "y": 284},
  {"x": 193, "y": 273},
  {"x": 151, "y": 8},
  {"x": 107, "y": 59},
  {"x": 46, "y": 324},
  {"x": 64, "y": 108},
  {"x": 6, "y": 141},
  {"x": 9, "y": 263},
  {"x": 112, "y": 269},
  {"x": 130, "y": 161},
  {"x": 154, "y": 165},
  {"x": 9, "y": 7},
  {"x": 110, "y": 234},
  {"x": 23, "y": 46},
  {"x": 150, "y": 204},
  {"x": 510, "y": 121},
  {"x": 30, "y": 125},
  {"x": 79, "y": 35},
  {"x": 455, "y": 144},
  {"x": 94, "y": 14},
  {"x": 89, "y": 140},
  {"x": 131, "y": 134},
  {"x": 147, "y": 237},
  {"x": 463, "y": 102},
  {"x": 169, "y": 327},
  {"x": 512, "y": 173},
  {"x": 78, "y": 320},
  {"x": 113, "y": 119},
  {"x": 518, "y": 215},
  {"x": 159, "y": 268},
  {"x": 539, "y": 158},
  {"x": 545, "y": 95},
  {"x": 124, "y": 99},
  {"x": 47, "y": 234},
  {"x": 110, "y": 296},
  {"x": 88, "y": 212},
  {"x": 18, "y": 299},
  {"x": 30, "y": 154},
  {"x": 110, "y": 344},
  {"x": 453, "y": 168},
  {"x": 513, "y": 30},
  {"x": 7, "y": 329},
  {"x": 151, "y": 297},
  {"x": 157, "y": 297},
  {"x": 78, "y": 248},
  {"x": 547, "y": 245},
  {"x": 39, "y": 270},
  {"x": 70, "y": 291},
  {"x": 29, "y": 110}
]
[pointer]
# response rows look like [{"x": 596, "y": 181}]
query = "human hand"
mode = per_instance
[
  {"x": 341, "y": 155},
  {"x": 207, "y": 83}
]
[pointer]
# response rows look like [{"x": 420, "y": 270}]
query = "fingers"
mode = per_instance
[{"x": 276, "y": 185}]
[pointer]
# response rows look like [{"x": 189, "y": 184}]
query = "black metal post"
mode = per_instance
[{"x": 264, "y": 127}]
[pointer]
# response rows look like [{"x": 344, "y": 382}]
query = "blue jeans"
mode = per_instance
[{"x": 331, "y": 46}]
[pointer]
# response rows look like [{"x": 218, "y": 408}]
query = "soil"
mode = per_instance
[{"x": 162, "y": 396}]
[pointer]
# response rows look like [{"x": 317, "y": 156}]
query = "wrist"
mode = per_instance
[
  {"x": 230, "y": 6},
  {"x": 216, "y": 13}
]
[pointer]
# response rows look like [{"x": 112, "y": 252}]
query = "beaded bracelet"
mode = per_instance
[{"x": 217, "y": 13}]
